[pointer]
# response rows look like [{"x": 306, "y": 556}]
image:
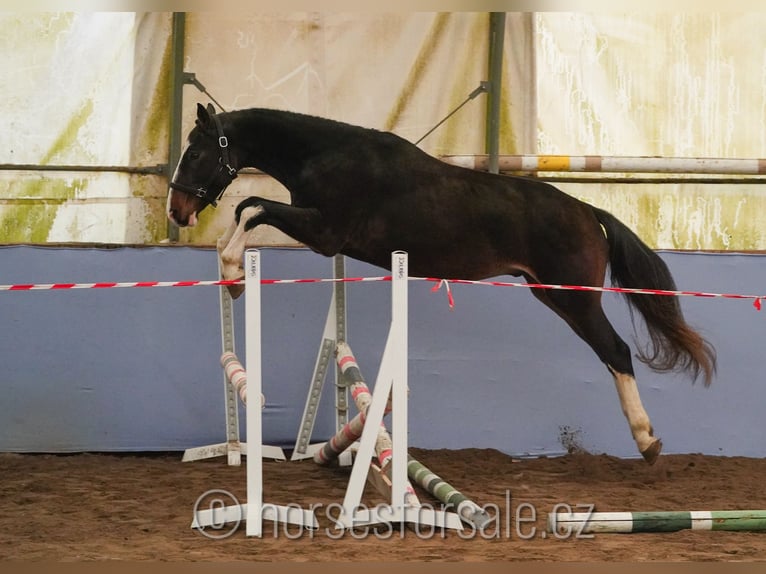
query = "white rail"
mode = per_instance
[{"x": 612, "y": 164}]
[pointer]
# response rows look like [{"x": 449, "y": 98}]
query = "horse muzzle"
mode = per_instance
[
  {"x": 180, "y": 210},
  {"x": 189, "y": 221}
]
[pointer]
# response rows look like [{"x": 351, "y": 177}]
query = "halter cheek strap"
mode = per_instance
[{"x": 224, "y": 171}]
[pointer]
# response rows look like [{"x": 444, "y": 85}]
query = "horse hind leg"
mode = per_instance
[
  {"x": 583, "y": 312},
  {"x": 640, "y": 426}
]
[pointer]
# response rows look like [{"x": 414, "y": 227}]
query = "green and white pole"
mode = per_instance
[
  {"x": 468, "y": 510},
  {"x": 661, "y": 521}
]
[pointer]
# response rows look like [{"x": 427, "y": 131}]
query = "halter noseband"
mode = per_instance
[{"x": 224, "y": 170}]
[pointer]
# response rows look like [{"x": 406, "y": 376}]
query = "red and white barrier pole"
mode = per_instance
[{"x": 237, "y": 376}]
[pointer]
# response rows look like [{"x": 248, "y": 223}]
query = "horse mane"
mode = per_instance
[{"x": 324, "y": 132}]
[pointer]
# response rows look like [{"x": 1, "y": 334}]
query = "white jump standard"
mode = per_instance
[
  {"x": 335, "y": 330},
  {"x": 233, "y": 448},
  {"x": 390, "y": 392},
  {"x": 255, "y": 511},
  {"x": 391, "y": 380}
]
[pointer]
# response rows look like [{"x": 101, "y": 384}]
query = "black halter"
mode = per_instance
[{"x": 224, "y": 171}]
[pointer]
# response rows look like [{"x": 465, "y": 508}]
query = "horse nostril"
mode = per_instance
[{"x": 173, "y": 216}]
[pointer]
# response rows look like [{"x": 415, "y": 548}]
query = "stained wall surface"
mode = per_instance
[
  {"x": 673, "y": 85},
  {"x": 93, "y": 89}
]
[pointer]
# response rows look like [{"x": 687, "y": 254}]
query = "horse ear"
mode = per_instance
[
  {"x": 203, "y": 115},
  {"x": 210, "y": 109}
]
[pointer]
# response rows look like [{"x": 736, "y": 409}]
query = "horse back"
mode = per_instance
[{"x": 452, "y": 221}]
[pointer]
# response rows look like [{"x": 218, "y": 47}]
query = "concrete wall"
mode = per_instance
[{"x": 137, "y": 369}]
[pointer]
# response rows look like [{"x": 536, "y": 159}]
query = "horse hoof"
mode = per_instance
[
  {"x": 652, "y": 452},
  {"x": 235, "y": 290}
]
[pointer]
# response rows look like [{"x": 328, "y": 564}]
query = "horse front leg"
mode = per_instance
[
  {"x": 231, "y": 248},
  {"x": 304, "y": 224},
  {"x": 224, "y": 240}
]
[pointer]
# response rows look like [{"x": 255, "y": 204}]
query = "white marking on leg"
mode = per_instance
[
  {"x": 640, "y": 426},
  {"x": 223, "y": 241},
  {"x": 234, "y": 252}
]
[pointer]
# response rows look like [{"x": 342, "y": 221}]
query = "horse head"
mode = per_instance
[{"x": 204, "y": 170}]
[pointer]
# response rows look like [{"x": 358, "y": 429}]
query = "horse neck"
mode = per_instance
[{"x": 275, "y": 142}]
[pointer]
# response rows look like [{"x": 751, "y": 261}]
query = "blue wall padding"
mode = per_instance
[{"x": 137, "y": 369}]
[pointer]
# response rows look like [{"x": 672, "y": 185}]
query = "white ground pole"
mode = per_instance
[
  {"x": 233, "y": 448},
  {"x": 255, "y": 511},
  {"x": 335, "y": 330},
  {"x": 391, "y": 379}
]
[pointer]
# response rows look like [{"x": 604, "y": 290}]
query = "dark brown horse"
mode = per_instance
[{"x": 365, "y": 193}]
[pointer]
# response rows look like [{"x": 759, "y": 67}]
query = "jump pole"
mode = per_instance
[
  {"x": 352, "y": 430},
  {"x": 612, "y": 164},
  {"x": 237, "y": 376},
  {"x": 468, "y": 510},
  {"x": 660, "y": 521}
]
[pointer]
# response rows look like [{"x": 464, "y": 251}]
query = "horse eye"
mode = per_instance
[{"x": 194, "y": 155}]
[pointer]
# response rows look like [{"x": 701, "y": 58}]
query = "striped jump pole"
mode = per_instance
[
  {"x": 468, "y": 510},
  {"x": 660, "y": 521},
  {"x": 380, "y": 475},
  {"x": 352, "y": 430},
  {"x": 611, "y": 164},
  {"x": 237, "y": 376}
]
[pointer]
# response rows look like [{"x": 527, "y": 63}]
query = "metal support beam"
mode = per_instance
[
  {"x": 158, "y": 169},
  {"x": 496, "y": 39},
  {"x": 176, "y": 101}
]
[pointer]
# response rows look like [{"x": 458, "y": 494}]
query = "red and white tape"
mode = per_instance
[
  {"x": 106, "y": 285},
  {"x": 219, "y": 282},
  {"x": 439, "y": 283},
  {"x": 661, "y": 292}
]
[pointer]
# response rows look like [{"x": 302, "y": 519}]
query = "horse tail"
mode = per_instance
[{"x": 674, "y": 345}]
